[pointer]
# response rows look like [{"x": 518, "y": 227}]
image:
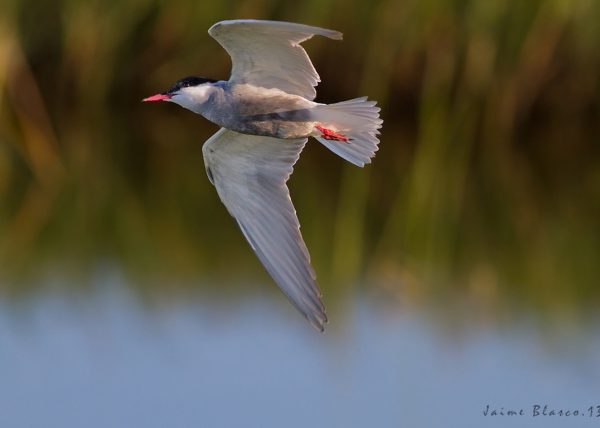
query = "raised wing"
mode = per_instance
[
  {"x": 250, "y": 173},
  {"x": 268, "y": 53}
]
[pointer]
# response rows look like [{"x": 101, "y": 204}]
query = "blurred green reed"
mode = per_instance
[{"x": 487, "y": 182}]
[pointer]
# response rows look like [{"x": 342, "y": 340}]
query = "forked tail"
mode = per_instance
[{"x": 349, "y": 129}]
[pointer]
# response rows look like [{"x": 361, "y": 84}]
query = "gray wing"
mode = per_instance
[
  {"x": 249, "y": 173},
  {"x": 268, "y": 53}
]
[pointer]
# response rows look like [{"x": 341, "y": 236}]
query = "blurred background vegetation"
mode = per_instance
[{"x": 487, "y": 182}]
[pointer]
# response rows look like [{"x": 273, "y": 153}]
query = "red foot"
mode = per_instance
[{"x": 330, "y": 134}]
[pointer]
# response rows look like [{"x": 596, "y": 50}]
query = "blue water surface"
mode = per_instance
[{"x": 111, "y": 360}]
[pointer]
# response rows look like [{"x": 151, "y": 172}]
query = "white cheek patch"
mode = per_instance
[
  {"x": 192, "y": 97},
  {"x": 198, "y": 93}
]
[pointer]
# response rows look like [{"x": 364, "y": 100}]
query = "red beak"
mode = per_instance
[{"x": 157, "y": 97}]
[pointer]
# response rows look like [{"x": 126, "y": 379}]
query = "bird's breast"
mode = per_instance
[{"x": 269, "y": 112}]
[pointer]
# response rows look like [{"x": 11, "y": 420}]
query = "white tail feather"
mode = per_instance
[{"x": 356, "y": 119}]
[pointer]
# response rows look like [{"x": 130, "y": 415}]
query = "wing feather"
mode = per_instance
[
  {"x": 250, "y": 174},
  {"x": 268, "y": 53}
]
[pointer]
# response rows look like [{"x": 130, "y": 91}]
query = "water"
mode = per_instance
[{"x": 111, "y": 360}]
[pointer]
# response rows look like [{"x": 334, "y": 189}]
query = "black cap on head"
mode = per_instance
[{"x": 189, "y": 81}]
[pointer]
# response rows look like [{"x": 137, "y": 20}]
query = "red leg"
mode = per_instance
[{"x": 330, "y": 134}]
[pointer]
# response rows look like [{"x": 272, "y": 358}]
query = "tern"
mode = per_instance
[{"x": 266, "y": 113}]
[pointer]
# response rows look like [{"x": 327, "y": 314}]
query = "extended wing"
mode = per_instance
[
  {"x": 268, "y": 53},
  {"x": 250, "y": 174}
]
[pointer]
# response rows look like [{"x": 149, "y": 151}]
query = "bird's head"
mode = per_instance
[{"x": 188, "y": 92}]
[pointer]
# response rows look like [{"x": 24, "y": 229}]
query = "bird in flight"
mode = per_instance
[{"x": 266, "y": 113}]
